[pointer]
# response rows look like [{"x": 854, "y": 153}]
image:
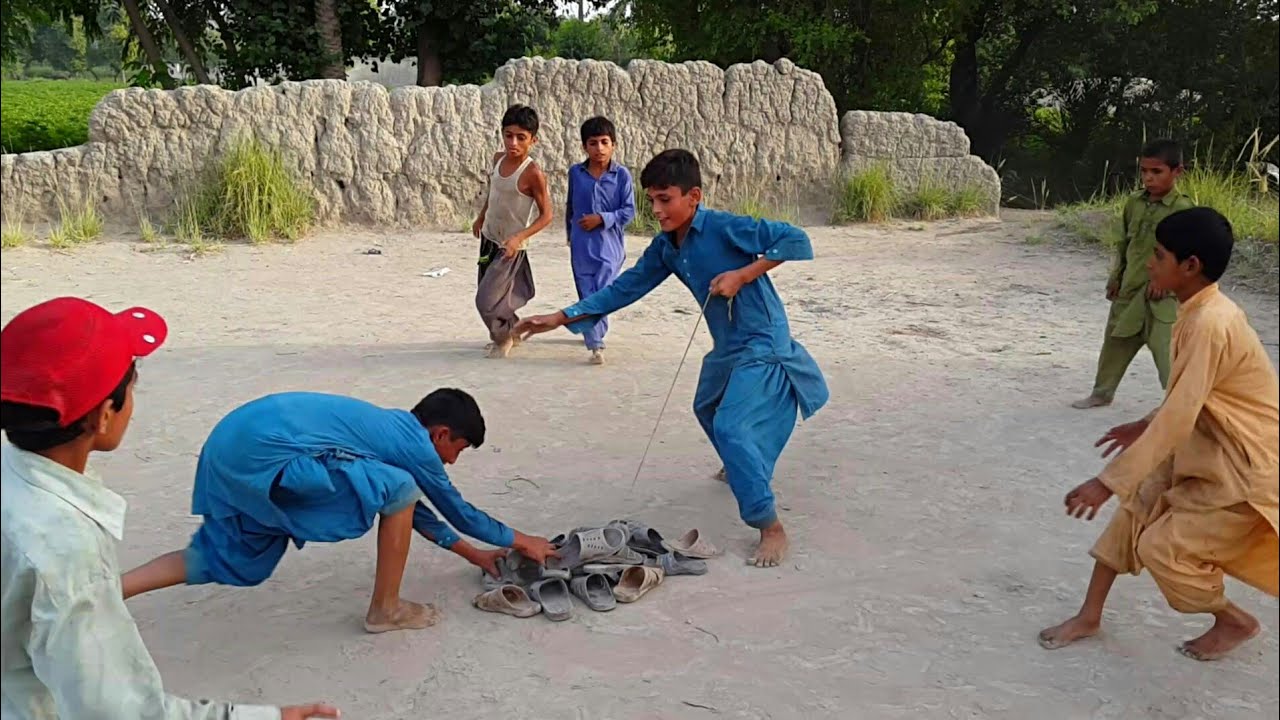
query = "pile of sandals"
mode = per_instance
[{"x": 602, "y": 566}]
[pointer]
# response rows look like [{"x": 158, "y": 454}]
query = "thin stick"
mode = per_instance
[{"x": 671, "y": 389}]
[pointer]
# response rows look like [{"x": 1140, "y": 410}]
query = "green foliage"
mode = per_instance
[
  {"x": 47, "y": 114},
  {"x": 248, "y": 194},
  {"x": 644, "y": 222},
  {"x": 929, "y": 201},
  {"x": 78, "y": 223},
  {"x": 866, "y": 196},
  {"x": 760, "y": 207}
]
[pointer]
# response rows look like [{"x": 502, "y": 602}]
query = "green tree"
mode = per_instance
[{"x": 464, "y": 40}]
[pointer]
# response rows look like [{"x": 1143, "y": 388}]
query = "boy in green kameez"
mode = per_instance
[{"x": 1140, "y": 314}]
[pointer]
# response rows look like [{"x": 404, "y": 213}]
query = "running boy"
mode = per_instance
[
  {"x": 1197, "y": 477},
  {"x": 70, "y": 647},
  {"x": 1140, "y": 313},
  {"x": 756, "y": 376},
  {"x": 601, "y": 202},
  {"x": 516, "y": 185},
  {"x": 307, "y": 467}
]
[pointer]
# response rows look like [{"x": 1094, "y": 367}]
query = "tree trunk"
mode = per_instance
[
  {"x": 330, "y": 30},
  {"x": 148, "y": 43},
  {"x": 430, "y": 69},
  {"x": 189, "y": 51}
]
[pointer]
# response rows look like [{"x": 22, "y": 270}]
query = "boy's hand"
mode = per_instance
[
  {"x": 590, "y": 222},
  {"x": 511, "y": 246},
  {"x": 1087, "y": 498},
  {"x": 477, "y": 226},
  {"x": 1122, "y": 436},
  {"x": 728, "y": 283},
  {"x": 538, "y": 549},
  {"x": 539, "y": 324},
  {"x": 303, "y": 712},
  {"x": 1154, "y": 293},
  {"x": 1113, "y": 289},
  {"x": 487, "y": 560}
]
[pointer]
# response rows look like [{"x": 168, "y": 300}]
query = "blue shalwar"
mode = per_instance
[
  {"x": 309, "y": 467},
  {"x": 597, "y": 255},
  {"x": 756, "y": 376}
]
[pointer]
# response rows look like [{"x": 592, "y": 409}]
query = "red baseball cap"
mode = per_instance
[{"x": 68, "y": 354}]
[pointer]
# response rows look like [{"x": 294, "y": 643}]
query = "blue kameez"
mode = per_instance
[
  {"x": 310, "y": 467},
  {"x": 597, "y": 255},
  {"x": 756, "y": 376}
]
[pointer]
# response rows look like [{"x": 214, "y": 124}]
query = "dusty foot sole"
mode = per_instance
[
  {"x": 409, "y": 616},
  {"x": 1060, "y": 636},
  {"x": 771, "y": 551},
  {"x": 597, "y": 357},
  {"x": 1219, "y": 641},
  {"x": 499, "y": 351},
  {"x": 1093, "y": 401}
]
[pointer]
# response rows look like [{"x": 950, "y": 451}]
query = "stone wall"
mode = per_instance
[{"x": 419, "y": 156}]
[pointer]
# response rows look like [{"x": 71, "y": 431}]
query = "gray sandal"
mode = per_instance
[
  {"x": 595, "y": 591},
  {"x": 588, "y": 546},
  {"x": 677, "y": 564},
  {"x": 553, "y": 595}
]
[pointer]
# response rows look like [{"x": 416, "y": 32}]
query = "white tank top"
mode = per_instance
[{"x": 509, "y": 209}]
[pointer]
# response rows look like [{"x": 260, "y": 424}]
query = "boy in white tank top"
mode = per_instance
[{"x": 516, "y": 186}]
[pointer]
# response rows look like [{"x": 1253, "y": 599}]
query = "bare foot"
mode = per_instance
[
  {"x": 1060, "y": 636},
  {"x": 597, "y": 357},
  {"x": 1230, "y": 630},
  {"x": 500, "y": 350},
  {"x": 773, "y": 547},
  {"x": 406, "y": 616},
  {"x": 1093, "y": 401}
]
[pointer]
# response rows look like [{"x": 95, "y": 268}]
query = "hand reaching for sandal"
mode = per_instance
[{"x": 535, "y": 548}]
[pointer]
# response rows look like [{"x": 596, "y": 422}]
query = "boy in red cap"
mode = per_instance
[{"x": 70, "y": 647}]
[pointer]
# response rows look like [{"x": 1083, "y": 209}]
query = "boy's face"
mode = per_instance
[
  {"x": 672, "y": 207},
  {"x": 517, "y": 141},
  {"x": 1157, "y": 177},
  {"x": 447, "y": 446},
  {"x": 110, "y": 424},
  {"x": 599, "y": 149},
  {"x": 1164, "y": 272}
]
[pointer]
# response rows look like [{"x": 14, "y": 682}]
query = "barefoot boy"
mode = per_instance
[
  {"x": 516, "y": 185},
  {"x": 1140, "y": 313},
  {"x": 70, "y": 647},
  {"x": 1196, "y": 478},
  {"x": 756, "y": 376},
  {"x": 307, "y": 467},
  {"x": 601, "y": 202}
]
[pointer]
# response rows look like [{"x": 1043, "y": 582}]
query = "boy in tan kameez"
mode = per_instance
[{"x": 1197, "y": 478}]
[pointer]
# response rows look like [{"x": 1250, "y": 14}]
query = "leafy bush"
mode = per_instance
[{"x": 47, "y": 114}]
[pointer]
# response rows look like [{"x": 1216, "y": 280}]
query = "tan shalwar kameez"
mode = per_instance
[{"x": 1198, "y": 489}]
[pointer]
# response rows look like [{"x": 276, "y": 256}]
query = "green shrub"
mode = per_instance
[
  {"x": 866, "y": 196},
  {"x": 968, "y": 201},
  {"x": 47, "y": 114},
  {"x": 644, "y": 222},
  {"x": 247, "y": 194},
  {"x": 1253, "y": 214},
  {"x": 929, "y": 201}
]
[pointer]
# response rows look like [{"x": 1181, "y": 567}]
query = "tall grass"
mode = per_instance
[
  {"x": 247, "y": 194},
  {"x": 644, "y": 222},
  {"x": 78, "y": 223},
  {"x": 865, "y": 196},
  {"x": 761, "y": 207},
  {"x": 14, "y": 231}
]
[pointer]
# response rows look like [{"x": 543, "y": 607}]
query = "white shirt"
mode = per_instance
[{"x": 70, "y": 649}]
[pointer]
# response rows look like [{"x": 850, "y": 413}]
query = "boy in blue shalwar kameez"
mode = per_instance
[
  {"x": 308, "y": 467},
  {"x": 601, "y": 202},
  {"x": 756, "y": 377}
]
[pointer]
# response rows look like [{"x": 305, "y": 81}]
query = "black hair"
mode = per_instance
[
  {"x": 522, "y": 116},
  {"x": 1201, "y": 232},
  {"x": 35, "y": 429},
  {"x": 455, "y": 410},
  {"x": 672, "y": 168},
  {"x": 1166, "y": 151},
  {"x": 598, "y": 126}
]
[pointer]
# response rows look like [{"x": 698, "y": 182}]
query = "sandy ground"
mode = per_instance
[{"x": 925, "y": 501}]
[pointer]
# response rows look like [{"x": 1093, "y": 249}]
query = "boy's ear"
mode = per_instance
[
  {"x": 100, "y": 418},
  {"x": 1193, "y": 265},
  {"x": 696, "y": 194}
]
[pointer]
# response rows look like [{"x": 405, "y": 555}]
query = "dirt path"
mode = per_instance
[{"x": 924, "y": 501}]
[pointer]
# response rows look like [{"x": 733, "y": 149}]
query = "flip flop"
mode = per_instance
[
  {"x": 553, "y": 595},
  {"x": 588, "y": 546},
  {"x": 508, "y": 600},
  {"x": 594, "y": 590},
  {"x": 610, "y": 571},
  {"x": 693, "y": 545},
  {"x": 677, "y": 564},
  {"x": 636, "y": 581}
]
